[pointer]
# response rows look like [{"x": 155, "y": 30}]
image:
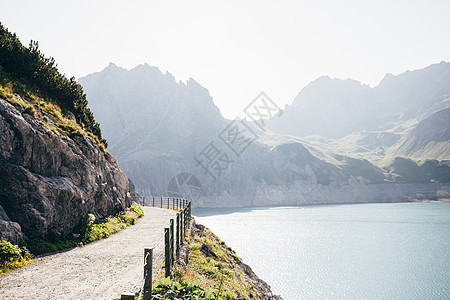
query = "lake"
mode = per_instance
[{"x": 347, "y": 251}]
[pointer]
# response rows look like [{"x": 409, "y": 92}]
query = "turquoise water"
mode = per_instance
[{"x": 354, "y": 251}]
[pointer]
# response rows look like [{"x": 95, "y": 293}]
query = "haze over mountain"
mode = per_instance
[{"x": 337, "y": 142}]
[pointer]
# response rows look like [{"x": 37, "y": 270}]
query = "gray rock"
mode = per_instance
[
  {"x": 207, "y": 250},
  {"x": 9, "y": 230}
]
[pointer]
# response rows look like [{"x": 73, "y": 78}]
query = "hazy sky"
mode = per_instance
[{"x": 238, "y": 48}]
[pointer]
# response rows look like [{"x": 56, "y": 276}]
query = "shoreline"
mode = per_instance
[
  {"x": 194, "y": 209},
  {"x": 443, "y": 200}
]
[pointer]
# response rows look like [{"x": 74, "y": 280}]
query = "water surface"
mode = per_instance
[{"x": 354, "y": 251}]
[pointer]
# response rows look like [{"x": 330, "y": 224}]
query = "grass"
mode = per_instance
[
  {"x": 87, "y": 232},
  {"x": 221, "y": 271},
  {"x": 48, "y": 114},
  {"x": 7, "y": 94},
  {"x": 166, "y": 288}
]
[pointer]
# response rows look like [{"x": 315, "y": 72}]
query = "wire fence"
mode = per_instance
[{"x": 173, "y": 240}]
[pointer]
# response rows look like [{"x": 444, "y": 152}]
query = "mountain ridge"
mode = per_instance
[{"x": 274, "y": 169}]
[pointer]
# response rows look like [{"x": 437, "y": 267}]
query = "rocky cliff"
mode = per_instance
[{"x": 50, "y": 179}]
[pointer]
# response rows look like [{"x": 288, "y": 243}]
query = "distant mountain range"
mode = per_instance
[
  {"x": 334, "y": 108},
  {"x": 339, "y": 141}
]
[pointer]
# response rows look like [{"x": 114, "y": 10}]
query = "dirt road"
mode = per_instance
[{"x": 100, "y": 270}]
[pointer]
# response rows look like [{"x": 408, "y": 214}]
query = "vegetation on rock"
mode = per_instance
[
  {"x": 12, "y": 256},
  {"x": 166, "y": 288},
  {"x": 87, "y": 232},
  {"x": 48, "y": 114}
]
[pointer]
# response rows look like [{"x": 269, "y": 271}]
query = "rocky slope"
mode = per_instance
[
  {"x": 51, "y": 179},
  {"x": 430, "y": 139},
  {"x": 164, "y": 133}
]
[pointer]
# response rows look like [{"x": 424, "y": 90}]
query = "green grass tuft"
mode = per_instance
[{"x": 12, "y": 256}]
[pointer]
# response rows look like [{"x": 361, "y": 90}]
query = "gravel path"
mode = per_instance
[{"x": 100, "y": 270}]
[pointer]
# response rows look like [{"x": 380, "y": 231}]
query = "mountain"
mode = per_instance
[
  {"x": 334, "y": 108},
  {"x": 153, "y": 124},
  {"x": 405, "y": 116},
  {"x": 170, "y": 138},
  {"x": 140, "y": 115},
  {"x": 327, "y": 107}
]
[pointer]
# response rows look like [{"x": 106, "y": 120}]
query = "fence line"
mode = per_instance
[{"x": 173, "y": 240}]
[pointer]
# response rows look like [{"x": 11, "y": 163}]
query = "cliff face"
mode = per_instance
[{"x": 50, "y": 180}]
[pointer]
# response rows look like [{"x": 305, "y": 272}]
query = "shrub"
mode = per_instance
[
  {"x": 134, "y": 207},
  {"x": 12, "y": 256}
]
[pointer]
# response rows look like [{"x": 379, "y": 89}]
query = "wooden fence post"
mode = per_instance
[
  {"x": 171, "y": 242},
  {"x": 181, "y": 227},
  {"x": 184, "y": 221},
  {"x": 143, "y": 201},
  {"x": 167, "y": 251},
  {"x": 148, "y": 262},
  {"x": 161, "y": 201},
  {"x": 153, "y": 203},
  {"x": 178, "y": 234},
  {"x": 190, "y": 210},
  {"x": 127, "y": 296}
]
